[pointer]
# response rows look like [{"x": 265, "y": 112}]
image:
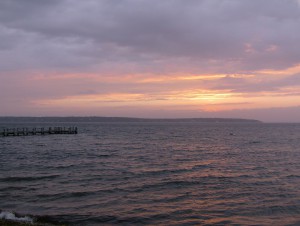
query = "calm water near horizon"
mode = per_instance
[{"x": 155, "y": 173}]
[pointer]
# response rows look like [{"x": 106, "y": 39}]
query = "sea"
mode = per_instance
[{"x": 153, "y": 173}]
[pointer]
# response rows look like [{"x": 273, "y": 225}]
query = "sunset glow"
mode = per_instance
[{"x": 101, "y": 58}]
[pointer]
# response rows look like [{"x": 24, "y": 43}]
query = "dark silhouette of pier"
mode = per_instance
[{"x": 37, "y": 131}]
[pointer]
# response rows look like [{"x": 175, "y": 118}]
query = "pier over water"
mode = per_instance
[{"x": 37, "y": 131}]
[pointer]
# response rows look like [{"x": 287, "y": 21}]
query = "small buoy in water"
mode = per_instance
[{"x": 232, "y": 134}]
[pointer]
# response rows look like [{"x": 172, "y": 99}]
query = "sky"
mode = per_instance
[{"x": 151, "y": 58}]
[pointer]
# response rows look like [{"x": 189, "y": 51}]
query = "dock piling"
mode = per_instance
[{"x": 37, "y": 131}]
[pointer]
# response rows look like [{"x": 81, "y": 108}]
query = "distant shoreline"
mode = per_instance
[{"x": 10, "y": 119}]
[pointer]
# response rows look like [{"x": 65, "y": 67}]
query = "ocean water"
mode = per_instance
[{"x": 155, "y": 173}]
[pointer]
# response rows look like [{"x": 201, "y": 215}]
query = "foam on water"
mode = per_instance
[{"x": 11, "y": 216}]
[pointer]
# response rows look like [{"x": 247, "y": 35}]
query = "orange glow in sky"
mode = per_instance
[{"x": 171, "y": 59}]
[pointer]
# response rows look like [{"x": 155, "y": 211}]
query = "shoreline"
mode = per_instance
[{"x": 4, "y": 222}]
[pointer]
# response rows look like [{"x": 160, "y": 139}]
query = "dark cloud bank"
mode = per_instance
[{"x": 231, "y": 34}]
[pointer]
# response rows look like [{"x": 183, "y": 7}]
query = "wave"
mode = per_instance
[
  {"x": 60, "y": 220},
  {"x": 18, "y": 179},
  {"x": 5, "y": 215},
  {"x": 14, "y": 219}
]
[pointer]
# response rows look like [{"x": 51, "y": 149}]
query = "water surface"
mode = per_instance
[{"x": 155, "y": 173}]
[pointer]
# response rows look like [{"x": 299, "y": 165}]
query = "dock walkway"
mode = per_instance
[{"x": 37, "y": 131}]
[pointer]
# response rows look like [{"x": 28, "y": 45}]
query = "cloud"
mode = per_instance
[
  {"x": 176, "y": 53},
  {"x": 145, "y": 34}
]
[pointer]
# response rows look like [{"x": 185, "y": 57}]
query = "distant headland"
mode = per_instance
[{"x": 122, "y": 119}]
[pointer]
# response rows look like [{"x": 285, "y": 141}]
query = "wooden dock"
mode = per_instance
[{"x": 37, "y": 131}]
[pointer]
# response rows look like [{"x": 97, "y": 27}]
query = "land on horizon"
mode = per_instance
[{"x": 119, "y": 119}]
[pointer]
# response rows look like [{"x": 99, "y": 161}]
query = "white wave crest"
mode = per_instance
[{"x": 11, "y": 216}]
